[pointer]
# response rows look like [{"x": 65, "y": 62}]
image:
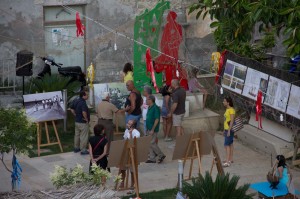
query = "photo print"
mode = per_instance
[
  {"x": 277, "y": 93},
  {"x": 254, "y": 82},
  {"x": 234, "y": 76},
  {"x": 44, "y": 106},
  {"x": 293, "y": 108},
  {"x": 117, "y": 90}
]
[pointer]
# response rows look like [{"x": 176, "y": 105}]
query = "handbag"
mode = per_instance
[
  {"x": 237, "y": 124},
  {"x": 272, "y": 178}
]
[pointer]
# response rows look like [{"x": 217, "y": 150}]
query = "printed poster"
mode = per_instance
[
  {"x": 254, "y": 82},
  {"x": 234, "y": 76},
  {"x": 277, "y": 94},
  {"x": 293, "y": 108}
]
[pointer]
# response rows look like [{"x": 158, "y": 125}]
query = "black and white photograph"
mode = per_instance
[
  {"x": 44, "y": 106},
  {"x": 117, "y": 90}
]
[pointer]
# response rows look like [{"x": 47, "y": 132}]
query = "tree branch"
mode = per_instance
[{"x": 2, "y": 160}]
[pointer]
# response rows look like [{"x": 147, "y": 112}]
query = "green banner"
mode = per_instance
[{"x": 146, "y": 31}]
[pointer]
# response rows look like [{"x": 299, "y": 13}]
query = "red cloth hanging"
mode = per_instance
[
  {"x": 221, "y": 64},
  {"x": 149, "y": 65},
  {"x": 169, "y": 45},
  {"x": 259, "y": 109},
  {"x": 79, "y": 25}
]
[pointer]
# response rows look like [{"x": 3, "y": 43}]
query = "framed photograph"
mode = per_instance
[
  {"x": 254, "y": 82},
  {"x": 44, "y": 106},
  {"x": 277, "y": 93},
  {"x": 117, "y": 90},
  {"x": 234, "y": 76},
  {"x": 293, "y": 107}
]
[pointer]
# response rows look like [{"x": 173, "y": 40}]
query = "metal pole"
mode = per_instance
[
  {"x": 180, "y": 174},
  {"x": 65, "y": 97}
]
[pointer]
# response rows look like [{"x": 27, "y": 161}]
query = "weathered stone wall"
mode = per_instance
[{"x": 21, "y": 27}]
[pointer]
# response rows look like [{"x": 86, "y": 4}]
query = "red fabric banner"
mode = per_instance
[
  {"x": 259, "y": 109},
  {"x": 149, "y": 65},
  {"x": 79, "y": 25},
  {"x": 221, "y": 63}
]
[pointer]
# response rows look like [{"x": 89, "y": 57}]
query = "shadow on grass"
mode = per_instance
[{"x": 163, "y": 194}]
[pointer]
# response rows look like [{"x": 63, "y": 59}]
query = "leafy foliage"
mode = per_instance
[
  {"x": 223, "y": 187},
  {"x": 55, "y": 82},
  {"x": 16, "y": 131},
  {"x": 62, "y": 177},
  {"x": 234, "y": 21}
]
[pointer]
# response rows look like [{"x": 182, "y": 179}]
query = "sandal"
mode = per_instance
[{"x": 226, "y": 164}]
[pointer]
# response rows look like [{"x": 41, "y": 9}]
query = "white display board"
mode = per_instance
[
  {"x": 44, "y": 106},
  {"x": 254, "y": 82},
  {"x": 293, "y": 108},
  {"x": 234, "y": 76},
  {"x": 277, "y": 93}
]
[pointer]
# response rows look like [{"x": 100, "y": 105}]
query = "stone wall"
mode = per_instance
[{"x": 21, "y": 27}]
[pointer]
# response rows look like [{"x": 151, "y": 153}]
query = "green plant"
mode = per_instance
[
  {"x": 62, "y": 177},
  {"x": 16, "y": 133},
  {"x": 55, "y": 82},
  {"x": 234, "y": 21},
  {"x": 223, "y": 187}
]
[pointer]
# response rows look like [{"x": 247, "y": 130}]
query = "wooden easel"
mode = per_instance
[
  {"x": 130, "y": 151},
  {"x": 39, "y": 136},
  {"x": 194, "y": 145},
  {"x": 216, "y": 161}
]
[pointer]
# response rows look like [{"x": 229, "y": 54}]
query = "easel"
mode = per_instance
[
  {"x": 194, "y": 145},
  {"x": 130, "y": 152},
  {"x": 117, "y": 125},
  {"x": 39, "y": 136}
]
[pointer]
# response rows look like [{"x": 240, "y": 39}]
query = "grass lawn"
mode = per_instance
[
  {"x": 163, "y": 194},
  {"x": 66, "y": 138}
]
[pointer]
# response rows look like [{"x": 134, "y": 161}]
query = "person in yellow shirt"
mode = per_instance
[
  {"x": 128, "y": 72},
  {"x": 228, "y": 133}
]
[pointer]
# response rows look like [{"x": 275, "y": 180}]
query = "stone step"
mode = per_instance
[{"x": 263, "y": 141}]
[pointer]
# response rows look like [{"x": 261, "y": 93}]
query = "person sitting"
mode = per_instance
[
  {"x": 130, "y": 133},
  {"x": 195, "y": 86}
]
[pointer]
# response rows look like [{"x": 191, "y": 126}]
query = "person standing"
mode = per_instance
[
  {"x": 166, "y": 107},
  {"x": 81, "y": 112},
  {"x": 98, "y": 148},
  {"x": 228, "y": 133},
  {"x": 105, "y": 113},
  {"x": 146, "y": 93},
  {"x": 133, "y": 104},
  {"x": 127, "y": 72},
  {"x": 152, "y": 124},
  {"x": 178, "y": 106}
]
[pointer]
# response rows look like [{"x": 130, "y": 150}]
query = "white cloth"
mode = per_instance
[
  {"x": 144, "y": 108},
  {"x": 135, "y": 133}
]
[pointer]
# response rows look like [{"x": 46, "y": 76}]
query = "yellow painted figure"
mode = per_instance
[
  {"x": 215, "y": 60},
  {"x": 90, "y": 75}
]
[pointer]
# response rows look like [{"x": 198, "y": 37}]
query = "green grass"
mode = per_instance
[
  {"x": 163, "y": 194},
  {"x": 66, "y": 138}
]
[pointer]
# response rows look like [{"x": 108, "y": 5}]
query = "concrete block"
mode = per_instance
[{"x": 263, "y": 141}]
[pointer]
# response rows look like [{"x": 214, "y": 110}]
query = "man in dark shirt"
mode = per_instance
[
  {"x": 178, "y": 106},
  {"x": 82, "y": 117},
  {"x": 133, "y": 104}
]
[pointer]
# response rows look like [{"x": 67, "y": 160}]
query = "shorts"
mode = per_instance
[
  {"x": 228, "y": 140},
  {"x": 177, "y": 119},
  {"x": 164, "y": 112}
]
